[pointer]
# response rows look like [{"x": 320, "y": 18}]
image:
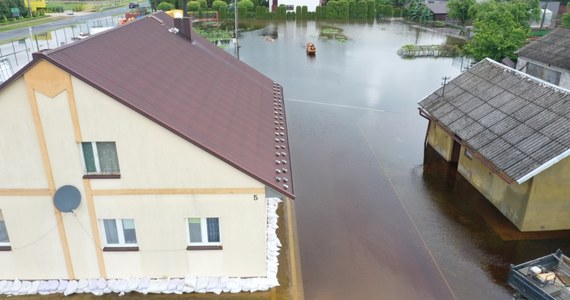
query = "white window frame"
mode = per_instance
[
  {"x": 96, "y": 159},
  {"x": 204, "y": 231},
  {"x": 4, "y": 221},
  {"x": 120, "y": 233}
]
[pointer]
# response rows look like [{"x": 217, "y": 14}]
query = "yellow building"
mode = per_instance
[
  {"x": 145, "y": 156},
  {"x": 35, "y": 4},
  {"x": 509, "y": 134}
]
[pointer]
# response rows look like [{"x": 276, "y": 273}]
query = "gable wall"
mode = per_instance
[
  {"x": 440, "y": 141},
  {"x": 564, "y": 76},
  {"x": 164, "y": 179},
  {"x": 510, "y": 199},
  {"x": 550, "y": 196}
]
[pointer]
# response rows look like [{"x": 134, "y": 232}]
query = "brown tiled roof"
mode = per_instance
[
  {"x": 516, "y": 123},
  {"x": 552, "y": 49},
  {"x": 194, "y": 89}
]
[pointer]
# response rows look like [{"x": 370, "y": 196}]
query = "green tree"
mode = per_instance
[
  {"x": 419, "y": 12},
  {"x": 497, "y": 35},
  {"x": 459, "y": 9},
  {"x": 337, "y": 10},
  {"x": 566, "y": 20}
]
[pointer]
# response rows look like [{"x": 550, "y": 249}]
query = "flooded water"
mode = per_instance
[{"x": 377, "y": 219}]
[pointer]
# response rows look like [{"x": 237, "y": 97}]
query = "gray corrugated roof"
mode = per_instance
[
  {"x": 194, "y": 89},
  {"x": 438, "y": 8},
  {"x": 518, "y": 123},
  {"x": 552, "y": 49}
]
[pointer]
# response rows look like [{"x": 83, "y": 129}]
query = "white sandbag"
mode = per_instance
[
  {"x": 43, "y": 288},
  {"x": 101, "y": 284},
  {"x": 113, "y": 285},
  {"x": 52, "y": 285},
  {"x": 7, "y": 287},
  {"x": 201, "y": 284},
  {"x": 71, "y": 288},
  {"x": 234, "y": 285},
  {"x": 122, "y": 285},
  {"x": 163, "y": 284},
  {"x": 16, "y": 285},
  {"x": 180, "y": 286},
  {"x": 214, "y": 285},
  {"x": 62, "y": 285},
  {"x": 143, "y": 285},
  {"x": 34, "y": 287},
  {"x": 153, "y": 286},
  {"x": 82, "y": 286},
  {"x": 171, "y": 287},
  {"x": 132, "y": 284}
]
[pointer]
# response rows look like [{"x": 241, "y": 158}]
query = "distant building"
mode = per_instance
[
  {"x": 509, "y": 134},
  {"x": 548, "y": 58},
  {"x": 176, "y": 152},
  {"x": 438, "y": 10},
  {"x": 292, "y": 4}
]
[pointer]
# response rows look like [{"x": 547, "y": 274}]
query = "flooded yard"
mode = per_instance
[{"x": 376, "y": 218}]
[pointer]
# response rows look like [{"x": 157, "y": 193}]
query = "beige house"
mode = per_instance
[
  {"x": 142, "y": 153},
  {"x": 508, "y": 133}
]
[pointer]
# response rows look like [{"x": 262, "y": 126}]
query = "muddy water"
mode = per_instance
[{"x": 377, "y": 218}]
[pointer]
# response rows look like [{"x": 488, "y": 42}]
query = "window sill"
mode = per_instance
[
  {"x": 216, "y": 247},
  {"x": 102, "y": 176},
  {"x": 5, "y": 248},
  {"x": 120, "y": 249}
]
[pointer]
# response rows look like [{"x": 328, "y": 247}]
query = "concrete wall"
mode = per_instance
[
  {"x": 440, "y": 141},
  {"x": 164, "y": 179}
]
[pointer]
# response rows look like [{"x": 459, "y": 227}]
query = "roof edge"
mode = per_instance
[{"x": 543, "y": 167}]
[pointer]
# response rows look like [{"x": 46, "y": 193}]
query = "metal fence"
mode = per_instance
[{"x": 15, "y": 54}]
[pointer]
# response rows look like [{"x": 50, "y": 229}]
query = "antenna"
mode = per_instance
[
  {"x": 67, "y": 198},
  {"x": 444, "y": 83}
]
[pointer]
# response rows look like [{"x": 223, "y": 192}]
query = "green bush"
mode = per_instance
[
  {"x": 304, "y": 12},
  {"x": 193, "y": 6},
  {"x": 165, "y": 6},
  {"x": 371, "y": 10},
  {"x": 281, "y": 12},
  {"x": 352, "y": 9},
  {"x": 221, "y": 7},
  {"x": 337, "y": 10},
  {"x": 245, "y": 4},
  {"x": 203, "y": 4},
  {"x": 566, "y": 20},
  {"x": 361, "y": 11}
]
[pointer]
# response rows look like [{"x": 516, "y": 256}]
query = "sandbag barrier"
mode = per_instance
[{"x": 188, "y": 284}]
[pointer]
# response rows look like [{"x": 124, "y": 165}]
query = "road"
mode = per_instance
[{"x": 80, "y": 18}]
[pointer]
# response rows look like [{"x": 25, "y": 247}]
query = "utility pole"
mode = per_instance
[
  {"x": 30, "y": 9},
  {"x": 543, "y": 14},
  {"x": 444, "y": 83},
  {"x": 236, "y": 27}
]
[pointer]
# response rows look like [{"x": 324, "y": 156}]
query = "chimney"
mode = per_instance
[{"x": 184, "y": 26}]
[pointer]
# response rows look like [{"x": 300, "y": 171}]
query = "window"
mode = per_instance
[
  {"x": 468, "y": 154},
  {"x": 204, "y": 233},
  {"x": 119, "y": 234},
  {"x": 4, "y": 239},
  {"x": 100, "y": 158}
]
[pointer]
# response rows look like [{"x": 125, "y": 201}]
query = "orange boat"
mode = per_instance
[{"x": 311, "y": 49}]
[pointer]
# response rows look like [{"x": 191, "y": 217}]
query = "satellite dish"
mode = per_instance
[{"x": 67, "y": 198}]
